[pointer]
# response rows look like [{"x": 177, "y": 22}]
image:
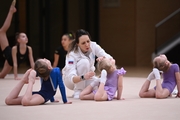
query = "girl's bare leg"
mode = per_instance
[
  {"x": 145, "y": 92},
  {"x": 87, "y": 94},
  {"x": 101, "y": 94},
  {"x": 29, "y": 99},
  {"x": 13, "y": 98},
  {"x": 6, "y": 69},
  {"x": 160, "y": 92},
  {"x": 3, "y": 37}
]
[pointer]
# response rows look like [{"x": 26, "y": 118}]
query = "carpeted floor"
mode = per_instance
[{"x": 132, "y": 108}]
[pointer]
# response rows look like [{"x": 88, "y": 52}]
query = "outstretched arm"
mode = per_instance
[
  {"x": 62, "y": 90},
  {"x": 31, "y": 59},
  {"x": 15, "y": 65},
  {"x": 56, "y": 59},
  {"x": 177, "y": 74},
  {"x": 120, "y": 87}
]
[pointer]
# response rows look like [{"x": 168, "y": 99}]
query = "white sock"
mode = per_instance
[
  {"x": 151, "y": 76},
  {"x": 156, "y": 73},
  {"x": 103, "y": 77},
  {"x": 175, "y": 92}
]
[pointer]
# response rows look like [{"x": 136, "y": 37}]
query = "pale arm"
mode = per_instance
[
  {"x": 15, "y": 65},
  {"x": 56, "y": 59},
  {"x": 120, "y": 87},
  {"x": 177, "y": 74},
  {"x": 31, "y": 59},
  {"x": 87, "y": 76}
]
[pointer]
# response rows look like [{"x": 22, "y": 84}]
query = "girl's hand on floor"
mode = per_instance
[
  {"x": 56, "y": 100},
  {"x": 68, "y": 103}
]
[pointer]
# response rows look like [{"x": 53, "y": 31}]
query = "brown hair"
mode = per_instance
[
  {"x": 17, "y": 35},
  {"x": 70, "y": 35},
  {"x": 73, "y": 46},
  {"x": 42, "y": 69}
]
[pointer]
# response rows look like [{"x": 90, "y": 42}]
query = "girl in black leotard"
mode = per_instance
[
  {"x": 16, "y": 55},
  {"x": 61, "y": 51}
]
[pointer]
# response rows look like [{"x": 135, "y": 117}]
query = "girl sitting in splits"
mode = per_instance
[
  {"x": 50, "y": 77},
  {"x": 171, "y": 78},
  {"x": 17, "y": 54},
  {"x": 111, "y": 80}
]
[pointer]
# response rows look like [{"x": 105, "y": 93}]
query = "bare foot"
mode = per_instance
[
  {"x": 13, "y": 8},
  {"x": 13, "y": 2},
  {"x": 17, "y": 78},
  {"x": 32, "y": 76},
  {"x": 25, "y": 76}
]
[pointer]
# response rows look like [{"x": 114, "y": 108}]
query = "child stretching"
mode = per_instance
[
  {"x": 171, "y": 78},
  {"x": 111, "y": 80},
  {"x": 17, "y": 54},
  {"x": 50, "y": 77}
]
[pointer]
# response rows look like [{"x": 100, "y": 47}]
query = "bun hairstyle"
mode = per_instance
[
  {"x": 17, "y": 35},
  {"x": 42, "y": 69},
  {"x": 79, "y": 33},
  {"x": 70, "y": 35}
]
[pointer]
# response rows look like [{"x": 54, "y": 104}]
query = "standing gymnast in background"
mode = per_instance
[{"x": 17, "y": 54}]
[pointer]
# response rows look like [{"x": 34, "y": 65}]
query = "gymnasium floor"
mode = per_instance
[{"x": 132, "y": 108}]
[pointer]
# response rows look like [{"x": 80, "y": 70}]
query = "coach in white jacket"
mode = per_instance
[{"x": 78, "y": 72}]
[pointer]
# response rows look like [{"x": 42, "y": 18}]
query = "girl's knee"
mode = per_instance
[
  {"x": 161, "y": 96},
  {"x": 69, "y": 84},
  {"x": 81, "y": 96},
  {"x": 164, "y": 94},
  {"x": 8, "y": 101},
  {"x": 83, "y": 64},
  {"x": 25, "y": 102},
  {"x": 142, "y": 94},
  {"x": 97, "y": 97}
]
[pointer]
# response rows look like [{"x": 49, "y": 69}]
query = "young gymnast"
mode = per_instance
[
  {"x": 60, "y": 52},
  {"x": 50, "y": 79},
  {"x": 17, "y": 54},
  {"x": 171, "y": 78},
  {"x": 111, "y": 81}
]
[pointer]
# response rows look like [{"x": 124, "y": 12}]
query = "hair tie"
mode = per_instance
[{"x": 70, "y": 35}]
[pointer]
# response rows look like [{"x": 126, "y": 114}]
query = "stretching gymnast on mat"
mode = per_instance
[
  {"x": 17, "y": 54},
  {"x": 50, "y": 79}
]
